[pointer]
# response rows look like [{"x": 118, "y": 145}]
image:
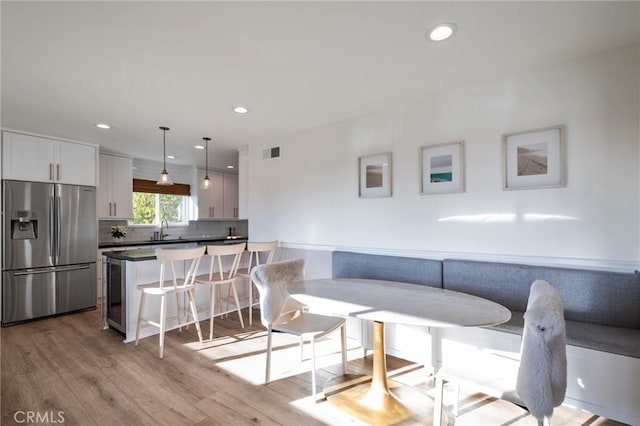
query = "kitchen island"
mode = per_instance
[{"x": 126, "y": 269}]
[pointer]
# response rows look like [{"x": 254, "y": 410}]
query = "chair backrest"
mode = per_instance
[
  {"x": 542, "y": 375},
  {"x": 225, "y": 259},
  {"x": 170, "y": 257},
  {"x": 265, "y": 249},
  {"x": 272, "y": 281}
]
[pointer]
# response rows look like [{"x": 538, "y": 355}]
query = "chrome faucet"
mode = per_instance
[{"x": 162, "y": 223}]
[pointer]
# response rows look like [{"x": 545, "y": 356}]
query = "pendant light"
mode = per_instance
[
  {"x": 164, "y": 176},
  {"x": 206, "y": 182}
]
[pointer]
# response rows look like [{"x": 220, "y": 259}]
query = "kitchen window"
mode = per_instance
[{"x": 153, "y": 203}]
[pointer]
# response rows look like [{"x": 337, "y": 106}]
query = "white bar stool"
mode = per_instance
[
  {"x": 226, "y": 259},
  {"x": 172, "y": 284}
]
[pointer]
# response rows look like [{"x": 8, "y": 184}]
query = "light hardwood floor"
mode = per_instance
[{"x": 70, "y": 365}]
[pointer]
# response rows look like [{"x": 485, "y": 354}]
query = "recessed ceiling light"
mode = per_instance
[
  {"x": 103, "y": 126},
  {"x": 240, "y": 110},
  {"x": 230, "y": 167},
  {"x": 171, "y": 157},
  {"x": 441, "y": 31},
  {"x": 199, "y": 147}
]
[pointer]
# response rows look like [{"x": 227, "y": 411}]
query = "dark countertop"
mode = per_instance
[
  {"x": 136, "y": 255},
  {"x": 128, "y": 243}
]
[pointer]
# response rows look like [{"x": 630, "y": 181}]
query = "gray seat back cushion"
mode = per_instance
[
  {"x": 598, "y": 297},
  {"x": 390, "y": 268}
]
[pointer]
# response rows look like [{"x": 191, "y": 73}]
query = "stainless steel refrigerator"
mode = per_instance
[{"x": 49, "y": 249}]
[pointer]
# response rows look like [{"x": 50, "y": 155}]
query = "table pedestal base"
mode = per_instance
[
  {"x": 371, "y": 399},
  {"x": 398, "y": 404}
]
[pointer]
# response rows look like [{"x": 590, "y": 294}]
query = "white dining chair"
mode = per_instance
[
  {"x": 223, "y": 272},
  {"x": 260, "y": 253},
  {"x": 171, "y": 284},
  {"x": 279, "y": 312},
  {"x": 538, "y": 381}
]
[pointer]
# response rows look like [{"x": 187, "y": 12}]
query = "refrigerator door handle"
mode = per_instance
[
  {"x": 50, "y": 270},
  {"x": 52, "y": 231},
  {"x": 57, "y": 227}
]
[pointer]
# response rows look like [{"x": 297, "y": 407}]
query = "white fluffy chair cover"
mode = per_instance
[
  {"x": 542, "y": 375},
  {"x": 272, "y": 281}
]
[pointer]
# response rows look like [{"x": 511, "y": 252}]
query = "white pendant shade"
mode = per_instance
[
  {"x": 164, "y": 176},
  {"x": 206, "y": 182}
]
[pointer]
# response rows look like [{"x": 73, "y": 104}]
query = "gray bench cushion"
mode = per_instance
[
  {"x": 598, "y": 297},
  {"x": 617, "y": 340},
  {"x": 391, "y": 268}
]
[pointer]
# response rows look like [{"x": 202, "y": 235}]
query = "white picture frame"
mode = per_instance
[
  {"x": 375, "y": 175},
  {"x": 534, "y": 159},
  {"x": 442, "y": 168}
]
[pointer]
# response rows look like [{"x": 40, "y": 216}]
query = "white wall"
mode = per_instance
[{"x": 309, "y": 196}]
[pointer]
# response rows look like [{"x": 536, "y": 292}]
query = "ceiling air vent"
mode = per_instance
[{"x": 269, "y": 153}]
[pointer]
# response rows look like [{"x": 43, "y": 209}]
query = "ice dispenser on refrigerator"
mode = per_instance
[{"x": 24, "y": 225}]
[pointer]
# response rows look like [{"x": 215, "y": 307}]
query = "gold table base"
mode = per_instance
[{"x": 376, "y": 400}]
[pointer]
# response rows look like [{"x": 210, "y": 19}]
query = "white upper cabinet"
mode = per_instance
[
  {"x": 39, "y": 159},
  {"x": 220, "y": 200},
  {"x": 230, "y": 195},
  {"x": 210, "y": 203},
  {"x": 115, "y": 188}
]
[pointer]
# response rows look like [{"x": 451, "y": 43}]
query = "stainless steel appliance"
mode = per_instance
[
  {"x": 116, "y": 294},
  {"x": 49, "y": 249}
]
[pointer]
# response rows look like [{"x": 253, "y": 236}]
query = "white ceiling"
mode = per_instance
[{"x": 295, "y": 65}]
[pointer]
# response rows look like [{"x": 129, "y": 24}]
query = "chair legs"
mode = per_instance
[
  {"x": 140, "y": 310},
  {"x": 215, "y": 295},
  {"x": 343, "y": 348},
  {"x": 163, "y": 318},
  {"x": 437, "y": 404},
  {"x": 343, "y": 342},
  {"x": 268, "y": 372},
  {"x": 212, "y": 311},
  {"x": 163, "y": 322},
  {"x": 194, "y": 312},
  {"x": 235, "y": 296},
  {"x": 252, "y": 290},
  {"x": 313, "y": 368}
]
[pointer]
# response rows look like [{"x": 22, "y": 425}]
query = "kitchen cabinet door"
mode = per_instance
[
  {"x": 230, "y": 195},
  {"x": 39, "y": 159},
  {"x": 27, "y": 158},
  {"x": 115, "y": 190},
  {"x": 76, "y": 163},
  {"x": 210, "y": 200}
]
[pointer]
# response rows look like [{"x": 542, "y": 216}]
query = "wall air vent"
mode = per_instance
[{"x": 269, "y": 153}]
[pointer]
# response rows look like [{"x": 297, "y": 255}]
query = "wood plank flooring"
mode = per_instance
[{"x": 68, "y": 370}]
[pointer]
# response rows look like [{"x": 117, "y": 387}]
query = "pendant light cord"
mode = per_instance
[
  {"x": 206, "y": 158},
  {"x": 164, "y": 148}
]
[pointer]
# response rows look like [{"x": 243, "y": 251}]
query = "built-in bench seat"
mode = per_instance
[
  {"x": 602, "y": 313},
  {"x": 602, "y": 309}
]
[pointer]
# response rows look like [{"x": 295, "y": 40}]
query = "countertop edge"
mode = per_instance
[{"x": 125, "y": 244}]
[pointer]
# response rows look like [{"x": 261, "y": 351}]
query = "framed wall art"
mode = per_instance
[
  {"x": 534, "y": 159},
  {"x": 375, "y": 175},
  {"x": 442, "y": 168}
]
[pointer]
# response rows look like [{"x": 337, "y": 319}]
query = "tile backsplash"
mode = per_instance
[{"x": 195, "y": 229}]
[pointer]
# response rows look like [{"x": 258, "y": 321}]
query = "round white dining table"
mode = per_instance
[{"x": 393, "y": 302}]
